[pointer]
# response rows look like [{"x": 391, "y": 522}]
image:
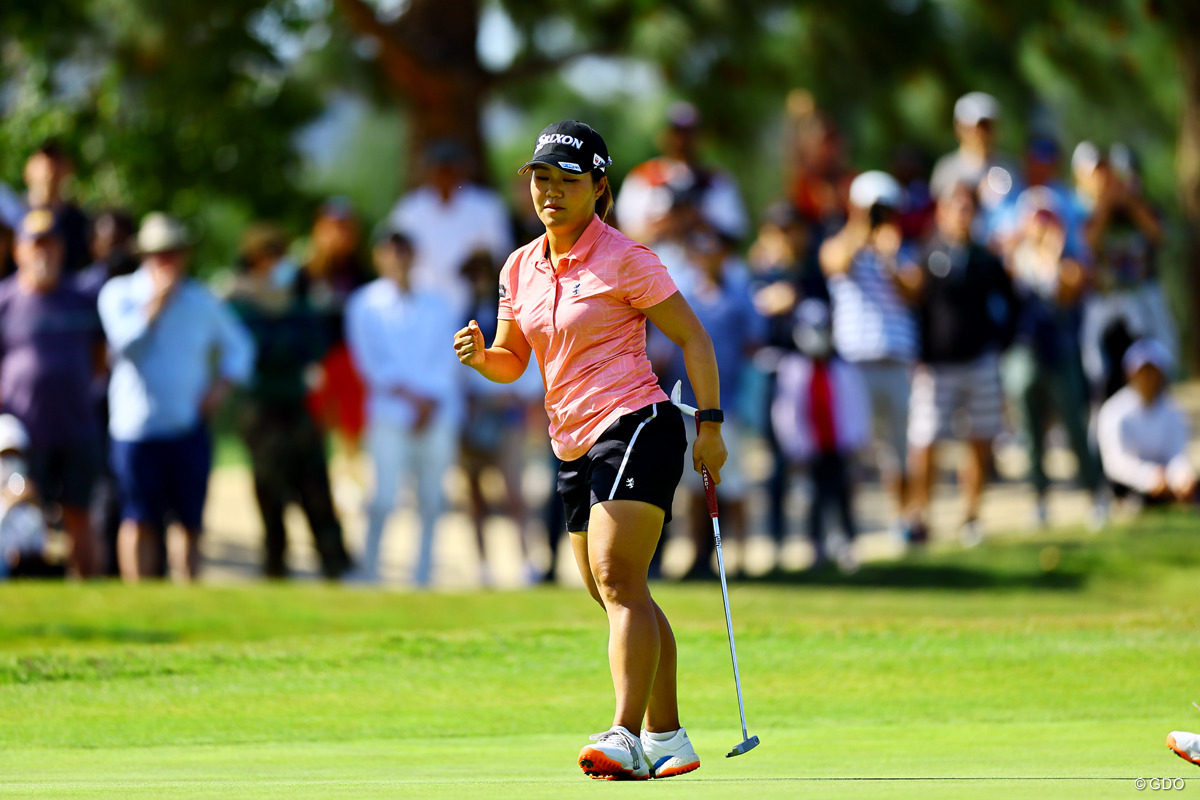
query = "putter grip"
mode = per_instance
[{"x": 710, "y": 491}]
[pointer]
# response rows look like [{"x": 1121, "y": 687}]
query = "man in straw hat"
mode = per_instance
[{"x": 177, "y": 351}]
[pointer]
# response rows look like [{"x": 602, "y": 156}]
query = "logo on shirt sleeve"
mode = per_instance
[{"x": 503, "y": 291}]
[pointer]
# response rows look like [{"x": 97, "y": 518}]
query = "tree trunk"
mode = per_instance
[
  {"x": 430, "y": 59},
  {"x": 1188, "y": 167}
]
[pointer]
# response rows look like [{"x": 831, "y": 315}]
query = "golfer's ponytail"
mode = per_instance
[{"x": 604, "y": 202}]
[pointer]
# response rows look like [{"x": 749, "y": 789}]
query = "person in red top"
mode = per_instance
[
  {"x": 822, "y": 416},
  {"x": 577, "y": 298}
]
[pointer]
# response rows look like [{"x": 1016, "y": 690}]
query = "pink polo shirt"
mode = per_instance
[{"x": 586, "y": 328}]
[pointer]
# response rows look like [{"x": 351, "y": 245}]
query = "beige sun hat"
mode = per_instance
[{"x": 162, "y": 233}]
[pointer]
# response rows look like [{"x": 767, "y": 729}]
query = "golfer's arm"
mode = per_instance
[
  {"x": 675, "y": 318},
  {"x": 507, "y": 358}
]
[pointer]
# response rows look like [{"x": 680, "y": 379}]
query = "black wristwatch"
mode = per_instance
[{"x": 710, "y": 415}]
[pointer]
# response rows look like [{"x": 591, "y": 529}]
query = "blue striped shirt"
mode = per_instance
[{"x": 870, "y": 320}]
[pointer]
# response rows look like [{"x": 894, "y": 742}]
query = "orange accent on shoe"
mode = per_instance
[
  {"x": 595, "y": 764},
  {"x": 673, "y": 771},
  {"x": 1181, "y": 753}
]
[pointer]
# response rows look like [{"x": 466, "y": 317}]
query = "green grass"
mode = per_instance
[{"x": 979, "y": 674}]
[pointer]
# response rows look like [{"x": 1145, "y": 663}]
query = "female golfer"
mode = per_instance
[{"x": 578, "y": 298}]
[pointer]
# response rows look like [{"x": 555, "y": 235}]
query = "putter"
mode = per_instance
[{"x": 748, "y": 742}]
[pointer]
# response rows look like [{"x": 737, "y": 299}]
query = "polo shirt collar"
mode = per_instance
[{"x": 581, "y": 249}]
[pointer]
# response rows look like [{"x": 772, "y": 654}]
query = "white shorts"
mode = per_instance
[
  {"x": 956, "y": 401},
  {"x": 733, "y": 478}
]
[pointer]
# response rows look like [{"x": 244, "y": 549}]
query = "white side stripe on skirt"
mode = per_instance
[{"x": 629, "y": 450}]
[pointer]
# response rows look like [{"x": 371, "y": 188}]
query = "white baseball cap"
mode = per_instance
[
  {"x": 1147, "y": 351},
  {"x": 13, "y": 435},
  {"x": 875, "y": 188},
  {"x": 974, "y": 107},
  {"x": 1086, "y": 157},
  {"x": 162, "y": 233}
]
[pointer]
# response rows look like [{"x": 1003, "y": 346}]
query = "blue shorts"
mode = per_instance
[{"x": 164, "y": 480}]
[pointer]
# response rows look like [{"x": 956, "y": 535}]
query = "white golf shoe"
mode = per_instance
[
  {"x": 1186, "y": 745},
  {"x": 675, "y": 756},
  {"x": 616, "y": 756}
]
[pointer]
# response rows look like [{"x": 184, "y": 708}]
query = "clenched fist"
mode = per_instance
[{"x": 469, "y": 345}]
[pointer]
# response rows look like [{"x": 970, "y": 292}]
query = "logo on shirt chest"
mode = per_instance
[{"x": 575, "y": 290}]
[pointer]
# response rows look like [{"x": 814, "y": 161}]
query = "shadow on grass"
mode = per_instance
[
  {"x": 1140, "y": 551},
  {"x": 916, "y": 575},
  {"x": 96, "y": 633}
]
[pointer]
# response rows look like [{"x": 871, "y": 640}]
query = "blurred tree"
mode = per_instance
[
  {"x": 1182, "y": 20},
  {"x": 163, "y": 105},
  {"x": 192, "y": 105}
]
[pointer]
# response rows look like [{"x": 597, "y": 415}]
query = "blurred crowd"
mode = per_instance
[{"x": 864, "y": 320}]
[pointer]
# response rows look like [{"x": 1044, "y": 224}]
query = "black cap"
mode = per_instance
[{"x": 571, "y": 146}]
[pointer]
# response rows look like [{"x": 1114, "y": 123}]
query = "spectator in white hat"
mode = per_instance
[
  {"x": 177, "y": 351},
  {"x": 1143, "y": 432},
  {"x": 976, "y": 161},
  {"x": 873, "y": 324}
]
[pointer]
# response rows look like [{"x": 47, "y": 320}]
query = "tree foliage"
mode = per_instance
[
  {"x": 193, "y": 104},
  {"x": 163, "y": 105}
]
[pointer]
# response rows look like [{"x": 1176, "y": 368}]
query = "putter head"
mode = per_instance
[{"x": 744, "y": 747}]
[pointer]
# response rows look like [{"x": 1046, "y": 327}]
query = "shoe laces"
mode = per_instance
[{"x": 628, "y": 740}]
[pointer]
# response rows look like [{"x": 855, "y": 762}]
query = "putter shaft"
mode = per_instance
[
  {"x": 737, "y": 679},
  {"x": 710, "y": 496}
]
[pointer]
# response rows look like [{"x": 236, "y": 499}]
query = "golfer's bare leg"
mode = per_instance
[
  {"x": 613, "y": 560},
  {"x": 662, "y": 712},
  {"x": 579, "y": 546}
]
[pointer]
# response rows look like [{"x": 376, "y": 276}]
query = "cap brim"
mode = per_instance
[
  {"x": 979, "y": 119},
  {"x": 1136, "y": 365},
  {"x": 547, "y": 161},
  {"x": 179, "y": 247}
]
